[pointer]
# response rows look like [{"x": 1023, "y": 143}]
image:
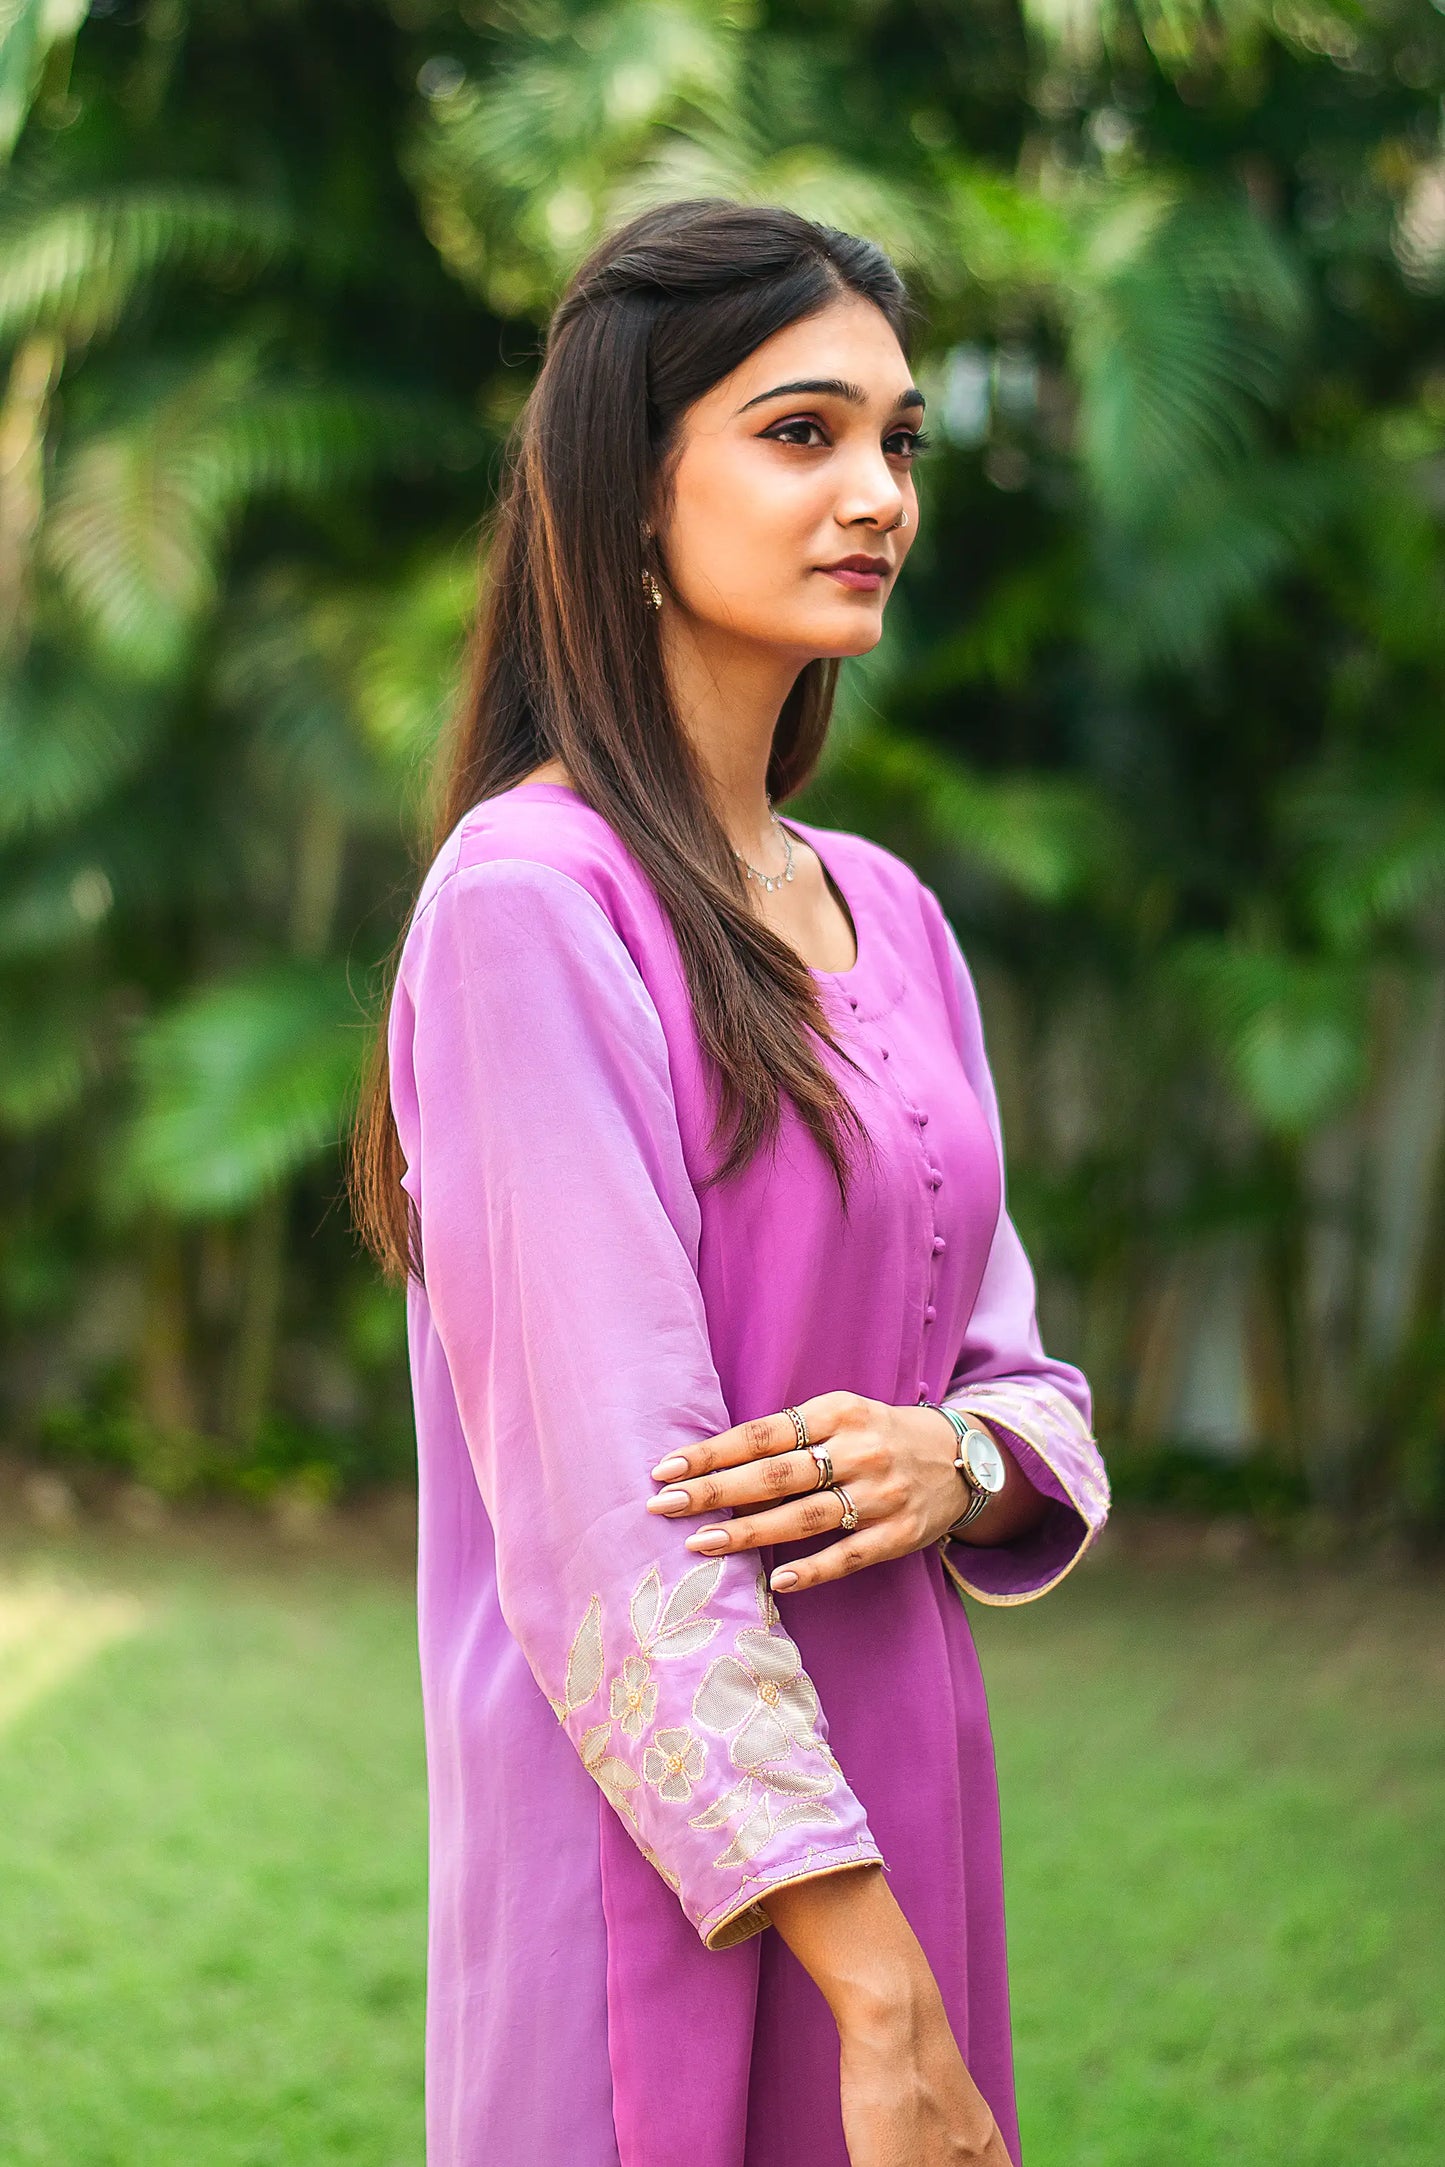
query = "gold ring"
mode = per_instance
[
  {"x": 799, "y": 1425},
  {"x": 850, "y": 1511}
]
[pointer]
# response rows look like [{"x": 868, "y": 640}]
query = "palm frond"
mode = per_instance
[
  {"x": 238, "y": 1086},
  {"x": 1169, "y": 586},
  {"x": 1186, "y": 36},
  {"x": 141, "y": 507},
  {"x": 28, "y": 30},
  {"x": 1044, "y": 837},
  {"x": 347, "y": 684},
  {"x": 72, "y": 265},
  {"x": 1292, "y": 1029},
  {"x": 515, "y": 172},
  {"x": 408, "y": 670},
  {"x": 69, "y": 733},
  {"x": 1373, "y": 850},
  {"x": 1186, "y": 327}
]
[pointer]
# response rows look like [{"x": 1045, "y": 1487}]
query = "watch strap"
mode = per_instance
[{"x": 978, "y": 1496}]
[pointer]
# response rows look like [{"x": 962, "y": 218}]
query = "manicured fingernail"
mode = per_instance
[
  {"x": 711, "y": 1538},
  {"x": 669, "y": 1501},
  {"x": 674, "y": 1464},
  {"x": 783, "y": 1579}
]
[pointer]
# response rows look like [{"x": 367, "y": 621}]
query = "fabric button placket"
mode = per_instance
[{"x": 936, "y": 1243}]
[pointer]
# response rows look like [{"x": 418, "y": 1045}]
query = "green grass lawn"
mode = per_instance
[{"x": 1224, "y": 1804}]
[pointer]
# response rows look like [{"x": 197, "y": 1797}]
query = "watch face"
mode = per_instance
[{"x": 985, "y": 1461}]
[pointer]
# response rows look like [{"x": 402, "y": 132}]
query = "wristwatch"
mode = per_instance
[{"x": 978, "y": 1461}]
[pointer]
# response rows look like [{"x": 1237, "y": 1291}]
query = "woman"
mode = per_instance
[{"x": 691, "y": 1160}]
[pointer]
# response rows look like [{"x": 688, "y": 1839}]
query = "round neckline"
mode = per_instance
[
  {"x": 850, "y": 909},
  {"x": 807, "y": 832}
]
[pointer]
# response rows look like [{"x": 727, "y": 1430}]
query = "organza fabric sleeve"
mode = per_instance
[
  {"x": 1038, "y": 1407},
  {"x": 559, "y": 1234}
]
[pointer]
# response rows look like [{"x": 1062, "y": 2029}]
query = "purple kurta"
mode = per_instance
[{"x": 628, "y": 1743}]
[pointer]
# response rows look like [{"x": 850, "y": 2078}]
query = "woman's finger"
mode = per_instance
[
  {"x": 761, "y": 1438},
  {"x": 819, "y": 1514},
  {"x": 784, "y": 1474},
  {"x": 866, "y": 1546}
]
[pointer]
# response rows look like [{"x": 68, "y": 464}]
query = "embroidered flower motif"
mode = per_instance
[
  {"x": 634, "y": 1696},
  {"x": 613, "y": 1776},
  {"x": 667, "y": 1630},
  {"x": 666, "y": 1871},
  {"x": 584, "y": 1663},
  {"x": 749, "y": 1805},
  {"x": 762, "y": 1693},
  {"x": 673, "y": 1763},
  {"x": 759, "y": 1694}
]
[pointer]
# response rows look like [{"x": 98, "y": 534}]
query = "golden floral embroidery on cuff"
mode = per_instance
[
  {"x": 613, "y": 1777},
  {"x": 672, "y": 1628},
  {"x": 1048, "y": 1421},
  {"x": 763, "y": 1696},
  {"x": 584, "y": 1664},
  {"x": 673, "y": 1763},
  {"x": 634, "y": 1696},
  {"x": 758, "y": 1697},
  {"x": 758, "y": 1820}
]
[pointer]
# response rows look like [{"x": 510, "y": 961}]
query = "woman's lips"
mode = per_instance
[{"x": 848, "y": 576}]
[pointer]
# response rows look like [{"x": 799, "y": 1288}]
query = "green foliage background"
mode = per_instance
[{"x": 1158, "y": 711}]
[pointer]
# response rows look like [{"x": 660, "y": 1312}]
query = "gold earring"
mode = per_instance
[{"x": 651, "y": 589}]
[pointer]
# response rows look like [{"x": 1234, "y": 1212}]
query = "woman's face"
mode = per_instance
[{"x": 798, "y": 461}]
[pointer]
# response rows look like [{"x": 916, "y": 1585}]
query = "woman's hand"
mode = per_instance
[
  {"x": 896, "y": 1464},
  {"x": 907, "y": 2097}
]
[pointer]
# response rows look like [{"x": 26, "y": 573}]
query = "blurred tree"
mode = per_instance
[{"x": 1157, "y": 711}]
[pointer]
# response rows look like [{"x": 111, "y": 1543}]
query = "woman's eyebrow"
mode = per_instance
[{"x": 833, "y": 387}]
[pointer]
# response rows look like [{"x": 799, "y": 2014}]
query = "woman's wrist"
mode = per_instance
[{"x": 1015, "y": 1510}]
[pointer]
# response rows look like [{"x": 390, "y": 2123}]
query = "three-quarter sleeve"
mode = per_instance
[
  {"x": 559, "y": 1245},
  {"x": 1038, "y": 1407}
]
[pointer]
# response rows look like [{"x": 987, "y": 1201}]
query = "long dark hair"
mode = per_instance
[{"x": 565, "y": 661}]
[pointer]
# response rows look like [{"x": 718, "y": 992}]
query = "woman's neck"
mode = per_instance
[{"x": 728, "y": 695}]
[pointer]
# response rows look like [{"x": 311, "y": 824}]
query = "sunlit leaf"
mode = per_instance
[
  {"x": 73, "y": 263},
  {"x": 141, "y": 507},
  {"x": 239, "y": 1086},
  {"x": 28, "y": 30}
]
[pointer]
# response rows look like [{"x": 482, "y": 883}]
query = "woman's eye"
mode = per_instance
[
  {"x": 909, "y": 441},
  {"x": 778, "y": 432}
]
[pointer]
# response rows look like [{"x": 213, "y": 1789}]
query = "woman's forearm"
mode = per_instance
[
  {"x": 905, "y": 2091},
  {"x": 849, "y": 1935}
]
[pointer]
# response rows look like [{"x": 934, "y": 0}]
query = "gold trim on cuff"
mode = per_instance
[
  {"x": 749, "y": 1917},
  {"x": 1029, "y": 1595}
]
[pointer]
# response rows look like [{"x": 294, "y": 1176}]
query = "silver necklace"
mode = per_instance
[{"x": 771, "y": 880}]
